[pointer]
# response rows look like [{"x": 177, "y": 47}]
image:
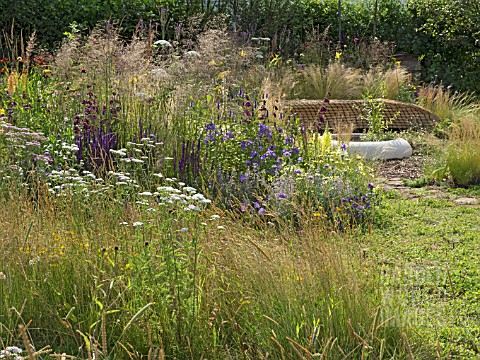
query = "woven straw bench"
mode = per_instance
[{"x": 348, "y": 114}]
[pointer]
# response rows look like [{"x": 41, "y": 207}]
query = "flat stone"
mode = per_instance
[
  {"x": 466, "y": 201},
  {"x": 396, "y": 183}
]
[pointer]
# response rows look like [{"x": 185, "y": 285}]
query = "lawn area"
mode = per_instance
[{"x": 428, "y": 258}]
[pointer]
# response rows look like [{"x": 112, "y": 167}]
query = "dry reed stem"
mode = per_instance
[
  {"x": 104, "y": 334},
  {"x": 282, "y": 349},
  {"x": 407, "y": 345},
  {"x": 26, "y": 342}
]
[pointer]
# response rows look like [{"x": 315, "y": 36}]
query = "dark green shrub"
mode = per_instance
[{"x": 448, "y": 34}]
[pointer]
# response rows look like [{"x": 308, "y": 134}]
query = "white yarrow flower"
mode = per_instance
[
  {"x": 145, "y": 193},
  {"x": 13, "y": 350},
  {"x": 189, "y": 189},
  {"x": 198, "y": 197}
]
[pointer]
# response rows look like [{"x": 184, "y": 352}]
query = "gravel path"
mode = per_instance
[{"x": 391, "y": 175}]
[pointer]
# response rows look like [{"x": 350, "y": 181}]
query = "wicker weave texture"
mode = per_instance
[{"x": 346, "y": 113}]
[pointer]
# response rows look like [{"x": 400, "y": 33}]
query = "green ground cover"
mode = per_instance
[{"x": 428, "y": 256}]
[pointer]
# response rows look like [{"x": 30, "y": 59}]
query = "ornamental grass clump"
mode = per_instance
[
  {"x": 315, "y": 81},
  {"x": 463, "y": 151},
  {"x": 168, "y": 282},
  {"x": 446, "y": 105}
]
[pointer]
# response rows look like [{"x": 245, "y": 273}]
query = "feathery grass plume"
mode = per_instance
[
  {"x": 319, "y": 287},
  {"x": 280, "y": 83},
  {"x": 66, "y": 60},
  {"x": 447, "y": 106},
  {"x": 463, "y": 151},
  {"x": 395, "y": 79},
  {"x": 215, "y": 57},
  {"x": 315, "y": 82},
  {"x": 104, "y": 55},
  {"x": 30, "y": 47}
]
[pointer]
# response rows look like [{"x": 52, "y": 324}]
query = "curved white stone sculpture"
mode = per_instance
[{"x": 380, "y": 150}]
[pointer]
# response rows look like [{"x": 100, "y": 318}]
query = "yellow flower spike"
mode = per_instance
[
  {"x": 243, "y": 53},
  {"x": 338, "y": 55},
  {"x": 23, "y": 78},
  {"x": 317, "y": 214},
  {"x": 12, "y": 82},
  {"x": 2, "y": 111}
]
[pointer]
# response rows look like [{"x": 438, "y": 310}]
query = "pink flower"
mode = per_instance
[{"x": 355, "y": 39}]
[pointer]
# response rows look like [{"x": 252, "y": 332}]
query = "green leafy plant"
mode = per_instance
[{"x": 378, "y": 124}]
